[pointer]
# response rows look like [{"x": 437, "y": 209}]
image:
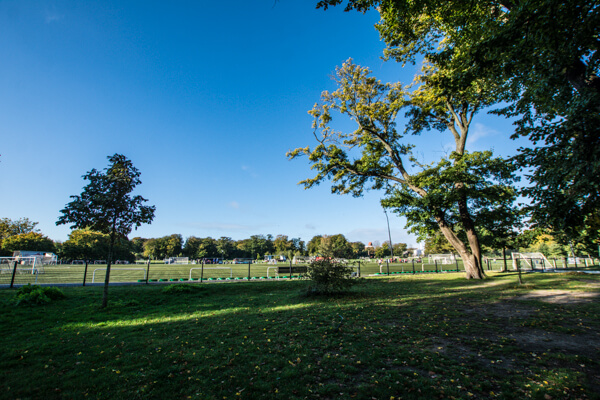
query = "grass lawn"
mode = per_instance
[{"x": 410, "y": 337}]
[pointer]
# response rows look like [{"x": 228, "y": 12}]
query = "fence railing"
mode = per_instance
[{"x": 81, "y": 274}]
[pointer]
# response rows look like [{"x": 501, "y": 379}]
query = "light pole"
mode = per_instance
[{"x": 389, "y": 234}]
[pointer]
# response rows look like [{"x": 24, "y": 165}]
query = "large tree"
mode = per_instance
[
  {"x": 106, "y": 205},
  {"x": 443, "y": 195},
  {"x": 544, "y": 56}
]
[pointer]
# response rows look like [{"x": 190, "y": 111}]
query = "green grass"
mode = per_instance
[{"x": 409, "y": 337}]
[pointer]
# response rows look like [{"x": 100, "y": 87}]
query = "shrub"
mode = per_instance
[
  {"x": 36, "y": 295},
  {"x": 177, "y": 289},
  {"x": 329, "y": 277}
]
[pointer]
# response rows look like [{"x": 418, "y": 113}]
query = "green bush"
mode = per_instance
[
  {"x": 177, "y": 289},
  {"x": 36, "y": 295},
  {"x": 329, "y": 277}
]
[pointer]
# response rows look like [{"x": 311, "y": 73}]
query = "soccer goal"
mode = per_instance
[
  {"x": 449, "y": 258},
  {"x": 533, "y": 260},
  {"x": 177, "y": 260},
  {"x": 24, "y": 265}
]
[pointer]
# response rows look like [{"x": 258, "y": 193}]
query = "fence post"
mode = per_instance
[
  {"x": 435, "y": 262},
  {"x": 249, "y": 262},
  {"x": 543, "y": 266},
  {"x": 387, "y": 264},
  {"x": 456, "y": 262},
  {"x": 359, "y": 268},
  {"x": 413, "y": 261},
  {"x": 148, "y": 271},
  {"x": 575, "y": 260},
  {"x": 519, "y": 271},
  {"x": 202, "y": 271},
  {"x": 85, "y": 272},
  {"x": 12, "y": 280},
  {"x": 291, "y": 269}
]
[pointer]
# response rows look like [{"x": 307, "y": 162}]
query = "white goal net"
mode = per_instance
[{"x": 449, "y": 258}]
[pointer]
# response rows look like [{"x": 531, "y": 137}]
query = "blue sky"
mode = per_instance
[{"x": 204, "y": 97}]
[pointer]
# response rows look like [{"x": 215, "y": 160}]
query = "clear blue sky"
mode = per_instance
[{"x": 205, "y": 98}]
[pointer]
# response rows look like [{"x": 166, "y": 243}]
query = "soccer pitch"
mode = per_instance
[{"x": 159, "y": 272}]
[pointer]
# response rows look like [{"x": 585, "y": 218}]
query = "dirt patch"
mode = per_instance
[{"x": 560, "y": 296}]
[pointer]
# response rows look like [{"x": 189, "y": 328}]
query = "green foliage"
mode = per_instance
[
  {"x": 37, "y": 295},
  {"x": 28, "y": 241},
  {"x": 105, "y": 205},
  {"x": 180, "y": 289},
  {"x": 9, "y": 227},
  {"x": 329, "y": 277},
  {"x": 543, "y": 58}
]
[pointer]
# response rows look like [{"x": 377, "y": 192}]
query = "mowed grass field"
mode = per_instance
[
  {"x": 158, "y": 272},
  {"x": 428, "y": 336}
]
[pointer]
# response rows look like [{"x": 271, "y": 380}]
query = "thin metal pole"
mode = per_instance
[
  {"x": 148, "y": 271},
  {"x": 202, "y": 271},
  {"x": 12, "y": 280},
  {"x": 85, "y": 272},
  {"x": 389, "y": 235}
]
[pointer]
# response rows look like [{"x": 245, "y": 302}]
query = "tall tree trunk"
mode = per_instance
[
  {"x": 504, "y": 266},
  {"x": 472, "y": 267},
  {"x": 476, "y": 271}
]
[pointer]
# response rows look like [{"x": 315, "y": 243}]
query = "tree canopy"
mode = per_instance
[{"x": 543, "y": 56}]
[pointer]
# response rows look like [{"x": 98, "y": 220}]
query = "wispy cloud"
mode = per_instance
[
  {"x": 478, "y": 132},
  {"x": 234, "y": 204},
  {"x": 53, "y": 16},
  {"x": 220, "y": 227},
  {"x": 249, "y": 171},
  {"x": 310, "y": 226}
]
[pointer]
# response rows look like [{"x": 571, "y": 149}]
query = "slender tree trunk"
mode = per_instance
[
  {"x": 109, "y": 262},
  {"x": 504, "y": 266}
]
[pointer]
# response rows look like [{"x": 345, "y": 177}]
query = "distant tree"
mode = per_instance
[
  {"x": 384, "y": 250},
  {"x": 257, "y": 244},
  {"x": 313, "y": 245},
  {"x": 358, "y": 249},
  {"x": 436, "y": 243},
  {"x": 335, "y": 246},
  {"x": 282, "y": 244},
  {"x": 106, "y": 206},
  {"x": 28, "y": 241},
  {"x": 226, "y": 247},
  {"x": 85, "y": 244},
  {"x": 9, "y": 228},
  {"x": 173, "y": 245},
  {"x": 137, "y": 246},
  {"x": 152, "y": 249}
]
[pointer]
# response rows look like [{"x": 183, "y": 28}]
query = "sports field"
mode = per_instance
[{"x": 159, "y": 272}]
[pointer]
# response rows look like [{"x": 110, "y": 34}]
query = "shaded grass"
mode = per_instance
[{"x": 410, "y": 337}]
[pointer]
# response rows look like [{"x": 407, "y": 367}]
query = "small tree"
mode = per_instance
[
  {"x": 329, "y": 277},
  {"x": 106, "y": 206}
]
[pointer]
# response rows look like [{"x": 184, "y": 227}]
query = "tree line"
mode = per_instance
[{"x": 87, "y": 244}]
